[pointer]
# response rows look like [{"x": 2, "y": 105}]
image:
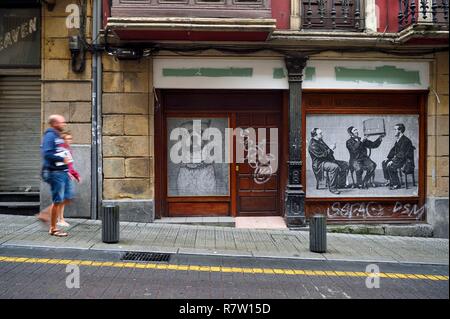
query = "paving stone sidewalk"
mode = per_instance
[{"x": 185, "y": 239}]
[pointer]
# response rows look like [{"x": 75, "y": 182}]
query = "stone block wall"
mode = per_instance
[
  {"x": 438, "y": 147},
  {"x": 69, "y": 94},
  {"x": 128, "y": 131},
  {"x": 65, "y": 92}
]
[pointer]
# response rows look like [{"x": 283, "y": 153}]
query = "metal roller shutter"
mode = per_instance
[{"x": 20, "y": 98}]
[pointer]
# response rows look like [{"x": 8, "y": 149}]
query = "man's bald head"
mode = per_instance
[{"x": 57, "y": 122}]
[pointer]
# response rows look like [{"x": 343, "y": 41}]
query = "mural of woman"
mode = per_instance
[{"x": 196, "y": 178}]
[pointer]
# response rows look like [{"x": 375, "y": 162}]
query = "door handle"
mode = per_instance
[{"x": 237, "y": 168}]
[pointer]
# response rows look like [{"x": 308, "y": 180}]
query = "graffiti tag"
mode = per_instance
[{"x": 373, "y": 209}]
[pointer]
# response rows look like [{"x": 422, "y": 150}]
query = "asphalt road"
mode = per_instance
[{"x": 52, "y": 273}]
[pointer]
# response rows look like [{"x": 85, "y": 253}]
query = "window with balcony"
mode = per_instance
[
  {"x": 332, "y": 15},
  {"x": 431, "y": 12},
  {"x": 193, "y": 8},
  {"x": 190, "y": 20}
]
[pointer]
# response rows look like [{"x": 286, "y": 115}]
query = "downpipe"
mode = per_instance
[{"x": 96, "y": 162}]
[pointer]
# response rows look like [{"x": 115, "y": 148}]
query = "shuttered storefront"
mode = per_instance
[{"x": 20, "y": 98}]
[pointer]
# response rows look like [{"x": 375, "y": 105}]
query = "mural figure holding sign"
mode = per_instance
[{"x": 359, "y": 159}]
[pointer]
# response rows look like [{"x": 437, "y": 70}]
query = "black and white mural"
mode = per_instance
[
  {"x": 190, "y": 172},
  {"x": 362, "y": 155}
]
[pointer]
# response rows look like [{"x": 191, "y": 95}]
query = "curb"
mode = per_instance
[{"x": 240, "y": 255}]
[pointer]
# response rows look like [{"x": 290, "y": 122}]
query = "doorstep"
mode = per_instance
[
  {"x": 202, "y": 221},
  {"x": 275, "y": 222}
]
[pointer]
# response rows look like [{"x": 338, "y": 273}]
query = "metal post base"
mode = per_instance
[{"x": 295, "y": 211}]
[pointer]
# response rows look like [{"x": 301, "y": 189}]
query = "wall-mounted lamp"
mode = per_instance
[{"x": 77, "y": 52}]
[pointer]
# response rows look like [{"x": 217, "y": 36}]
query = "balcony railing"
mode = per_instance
[
  {"x": 252, "y": 9},
  {"x": 329, "y": 15},
  {"x": 433, "y": 12}
]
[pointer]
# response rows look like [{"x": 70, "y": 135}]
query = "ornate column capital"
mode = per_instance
[{"x": 295, "y": 66}]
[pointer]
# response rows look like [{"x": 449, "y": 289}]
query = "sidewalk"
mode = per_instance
[{"x": 225, "y": 241}]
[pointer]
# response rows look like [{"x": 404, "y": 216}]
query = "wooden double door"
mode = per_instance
[{"x": 243, "y": 175}]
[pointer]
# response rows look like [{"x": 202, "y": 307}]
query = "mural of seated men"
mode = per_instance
[
  {"x": 359, "y": 159},
  {"x": 323, "y": 161},
  {"x": 401, "y": 156}
]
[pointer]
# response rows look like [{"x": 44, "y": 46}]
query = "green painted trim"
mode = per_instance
[
  {"x": 278, "y": 73},
  {"x": 310, "y": 74},
  {"x": 383, "y": 74},
  {"x": 208, "y": 72}
]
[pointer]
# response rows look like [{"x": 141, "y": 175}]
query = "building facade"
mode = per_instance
[{"x": 140, "y": 78}]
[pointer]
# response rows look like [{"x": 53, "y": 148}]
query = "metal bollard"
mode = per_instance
[
  {"x": 110, "y": 224},
  {"x": 318, "y": 233}
]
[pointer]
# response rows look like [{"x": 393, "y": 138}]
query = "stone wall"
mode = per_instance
[
  {"x": 65, "y": 92},
  {"x": 128, "y": 133},
  {"x": 438, "y": 147},
  {"x": 69, "y": 94}
]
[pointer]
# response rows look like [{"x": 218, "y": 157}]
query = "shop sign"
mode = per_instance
[{"x": 20, "y": 37}]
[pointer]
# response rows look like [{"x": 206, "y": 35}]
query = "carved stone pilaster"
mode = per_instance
[{"x": 295, "y": 196}]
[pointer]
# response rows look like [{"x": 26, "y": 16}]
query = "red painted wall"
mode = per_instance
[
  {"x": 388, "y": 15},
  {"x": 106, "y": 12},
  {"x": 281, "y": 11}
]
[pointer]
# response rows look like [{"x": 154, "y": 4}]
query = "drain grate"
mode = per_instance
[{"x": 146, "y": 257}]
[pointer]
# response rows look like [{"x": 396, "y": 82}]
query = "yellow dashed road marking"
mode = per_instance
[
  {"x": 279, "y": 271},
  {"x": 172, "y": 267},
  {"x": 106, "y": 264},
  {"x": 268, "y": 271},
  {"x": 163, "y": 267},
  {"x": 150, "y": 266},
  {"x": 96, "y": 263},
  {"x": 183, "y": 267}
]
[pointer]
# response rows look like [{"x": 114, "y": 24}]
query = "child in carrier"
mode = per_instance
[
  {"x": 64, "y": 151},
  {"x": 73, "y": 174}
]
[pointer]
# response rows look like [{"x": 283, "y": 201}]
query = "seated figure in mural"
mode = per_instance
[
  {"x": 359, "y": 158},
  {"x": 401, "y": 156},
  {"x": 323, "y": 161}
]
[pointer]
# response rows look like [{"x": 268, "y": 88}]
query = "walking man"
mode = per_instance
[
  {"x": 399, "y": 155},
  {"x": 323, "y": 161},
  {"x": 359, "y": 158},
  {"x": 55, "y": 171}
]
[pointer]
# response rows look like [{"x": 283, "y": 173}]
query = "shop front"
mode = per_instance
[
  {"x": 372, "y": 116},
  {"x": 237, "y": 166},
  {"x": 20, "y": 106},
  {"x": 375, "y": 104}
]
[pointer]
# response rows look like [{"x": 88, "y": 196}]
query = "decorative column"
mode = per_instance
[{"x": 295, "y": 196}]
